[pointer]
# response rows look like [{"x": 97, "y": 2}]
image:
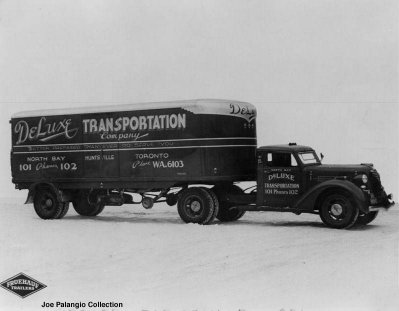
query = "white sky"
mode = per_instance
[{"x": 324, "y": 73}]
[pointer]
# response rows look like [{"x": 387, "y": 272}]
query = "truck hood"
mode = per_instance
[{"x": 340, "y": 168}]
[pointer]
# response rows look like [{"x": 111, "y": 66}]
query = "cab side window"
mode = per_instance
[{"x": 280, "y": 159}]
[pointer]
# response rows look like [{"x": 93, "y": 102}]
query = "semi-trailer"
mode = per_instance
[{"x": 192, "y": 153}]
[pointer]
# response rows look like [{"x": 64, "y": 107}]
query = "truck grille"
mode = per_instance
[
  {"x": 375, "y": 175},
  {"x": 325, "y": 178},
  {"x": 375, "y": 181}
]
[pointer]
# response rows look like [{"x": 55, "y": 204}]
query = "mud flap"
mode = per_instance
[{"x": 62, "y": 196}]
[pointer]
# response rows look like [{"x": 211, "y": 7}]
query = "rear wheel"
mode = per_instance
[
  {"x": 47, "y": 205},
  {"x": 226, "y": 210},
  {"x": 88, "y": 204},
  {"x": 231, "y": 214},
  {"x": 196, "y": 205},
  {"x": 365, "y": 219},
  {"x": 215, "y": 203},
  {"x": 337, "y": 211}
]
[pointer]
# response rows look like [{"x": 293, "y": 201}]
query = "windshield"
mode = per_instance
[{"x": 308, "y": 157}]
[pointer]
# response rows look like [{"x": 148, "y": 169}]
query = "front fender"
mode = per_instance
[{"x": 308, "y": 200}]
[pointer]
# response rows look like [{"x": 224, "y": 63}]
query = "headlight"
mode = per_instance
[{"x": 364, "y": 179}]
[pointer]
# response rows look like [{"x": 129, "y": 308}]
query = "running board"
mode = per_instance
[{"x": 255, "y": 208}]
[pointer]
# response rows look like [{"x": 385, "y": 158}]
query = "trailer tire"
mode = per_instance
[
  {"x": 195, "y": 205},
  {"x": 64, "y": 211},
  {"x": 46, "y": 204},
  {"x": 365, "y": 219},
  {"x": 338, "y": 212},
  {"x": 83, "y": 207},
  {"x": 226, "y": 213}
]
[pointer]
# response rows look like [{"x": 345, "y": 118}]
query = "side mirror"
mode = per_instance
[{"x": 321, "y": 156}]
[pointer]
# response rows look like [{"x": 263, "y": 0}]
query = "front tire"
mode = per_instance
[
  {"x": 196, "y": 205},
  {"x": 365, "y": 219},
  {"x": 47, "y": 205},
  {"x": 337, "y": 211}
]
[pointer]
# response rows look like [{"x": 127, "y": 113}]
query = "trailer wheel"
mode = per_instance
[
  {"x": 196, "y": 205},
  {"x": 337, "y": 211},
  {"x": 365, "y": 219},
  {"x": 46, "y": 204},
  {"x": 84, "y": 204},
  {"x": 65, "y": 208},
  {"x": 226, "y": 211}
]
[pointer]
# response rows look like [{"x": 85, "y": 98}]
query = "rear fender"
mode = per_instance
[
  {"x": 309, "y": 199},
  {"x": 61, "y": 195}
]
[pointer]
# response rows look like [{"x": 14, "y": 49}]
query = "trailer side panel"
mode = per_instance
[{"x": 178, "y": 145}]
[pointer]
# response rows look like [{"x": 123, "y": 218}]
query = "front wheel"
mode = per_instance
[
  {"x": 365, "y": 219},
  {"x": 196, "y": 205},
  {"x": 337, "y": 211}
]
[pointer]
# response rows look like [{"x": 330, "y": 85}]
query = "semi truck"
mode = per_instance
[{"x": 194, "y": 154}]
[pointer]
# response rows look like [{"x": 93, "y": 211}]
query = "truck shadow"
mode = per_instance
[
  {"x": 142, "y": 218},
  {"x": 313, "y": 224},
  {"x": 274, "y": 223},
  {"x": 139, "y": 218}
]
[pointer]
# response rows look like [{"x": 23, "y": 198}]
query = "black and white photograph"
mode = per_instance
[{"x": 199, "y": 155}]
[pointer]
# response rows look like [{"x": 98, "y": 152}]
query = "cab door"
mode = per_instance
[{"x": 279, "y": 179}]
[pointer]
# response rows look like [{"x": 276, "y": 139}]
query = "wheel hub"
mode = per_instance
[
  {"x": 336, "y": 209},
  {"x": 48, "y": 203},
  {"x": 195, "y": 206}
]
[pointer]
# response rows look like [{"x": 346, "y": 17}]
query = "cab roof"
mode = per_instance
[{"x": 286, "y": 148}]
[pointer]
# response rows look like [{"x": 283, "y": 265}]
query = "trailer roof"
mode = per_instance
[{"x": 200, "y": 106}]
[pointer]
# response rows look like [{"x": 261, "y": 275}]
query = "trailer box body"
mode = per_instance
[{"x": 147, "y": 146}]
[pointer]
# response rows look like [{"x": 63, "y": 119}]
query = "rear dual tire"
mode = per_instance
[
  {"x": 197, "y": 205},
  {"x": 227, "y": 212}
]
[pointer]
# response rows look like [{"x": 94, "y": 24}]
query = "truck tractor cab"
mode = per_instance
[{"x": 292, "y": 178}]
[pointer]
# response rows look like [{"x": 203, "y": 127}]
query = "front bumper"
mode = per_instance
[{"x": 384, "y": 204}]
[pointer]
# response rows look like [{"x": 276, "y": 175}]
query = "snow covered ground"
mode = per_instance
[{"x": 151, "y": 260}]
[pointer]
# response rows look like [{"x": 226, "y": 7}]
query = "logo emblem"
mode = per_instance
[
  {"x": 22, "y": 285},
  {"x": 243, "y": 112},
  {"x": 44, "y": 131}
]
